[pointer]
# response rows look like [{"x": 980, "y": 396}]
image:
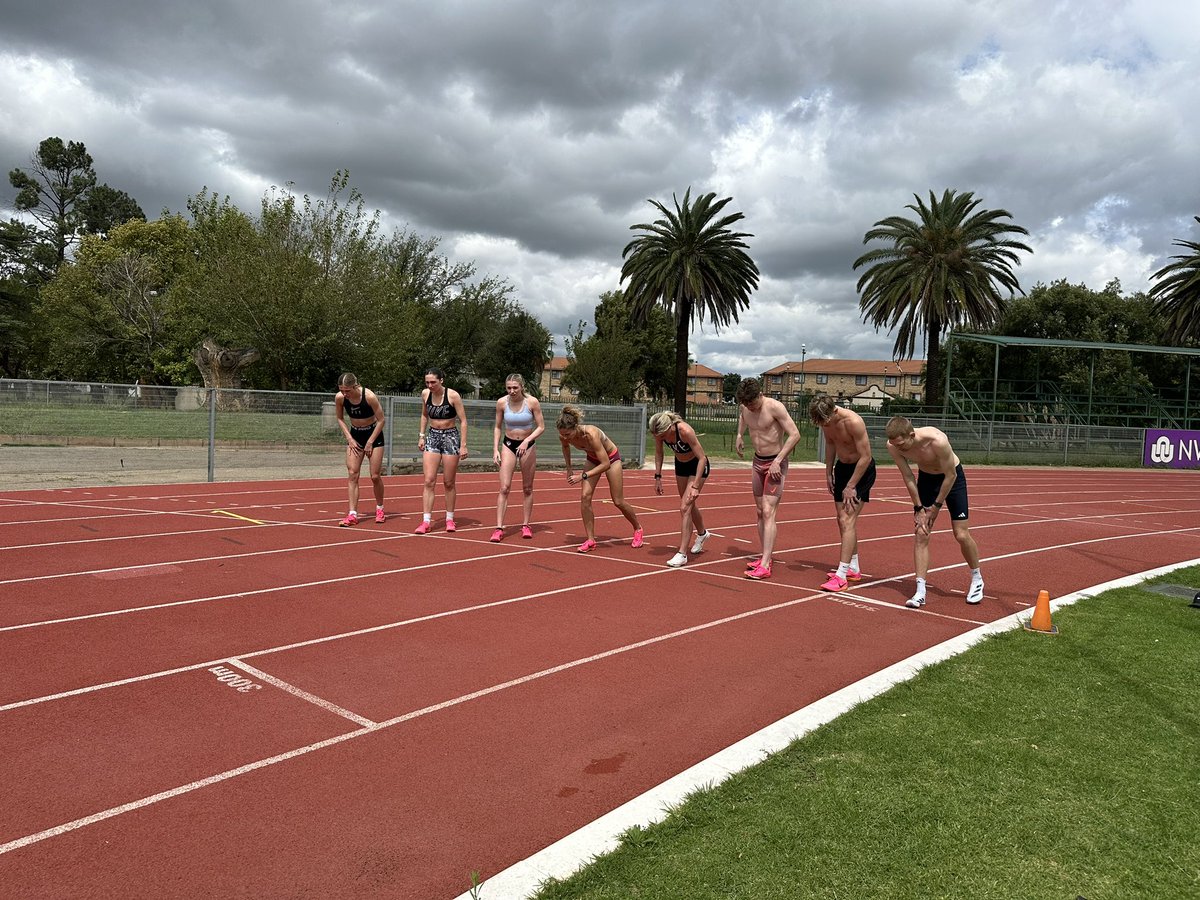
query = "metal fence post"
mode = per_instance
[
  {"x": 212, "y": 431},
  {"x": 390, "y": 440}
]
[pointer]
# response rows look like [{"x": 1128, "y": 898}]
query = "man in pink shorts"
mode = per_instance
[{"x": 773, "y": 434}]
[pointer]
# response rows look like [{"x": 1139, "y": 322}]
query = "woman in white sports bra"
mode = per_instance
[{"x": 519, "y": 423}]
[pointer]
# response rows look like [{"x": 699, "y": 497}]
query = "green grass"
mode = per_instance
[
  {"x": 1029, "y": 767},
  {"x": 108, "y": 422},
  {"x": 718, "y": 439}
]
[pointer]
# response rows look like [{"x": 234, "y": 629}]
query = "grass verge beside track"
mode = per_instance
[{"x": 1031, "y": 766}]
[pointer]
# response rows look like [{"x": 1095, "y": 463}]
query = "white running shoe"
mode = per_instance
[
  {"x": 975, "y": 592},
  {"x": 679, "y": 559},
  {"x": 698, "y": 544},
  {"x": 916, "y": 602}
]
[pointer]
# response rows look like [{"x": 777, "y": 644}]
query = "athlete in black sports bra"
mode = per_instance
[
  {"x": 691, "y": 474},
  {"x": 364, "y": 440},
  {"x": 442, "y": 442}
]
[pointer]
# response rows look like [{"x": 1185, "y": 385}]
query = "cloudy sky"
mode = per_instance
[{"x": 529, "y": 134}]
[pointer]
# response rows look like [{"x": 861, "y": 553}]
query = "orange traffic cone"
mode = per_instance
[{"x": 1041, "y": 616}]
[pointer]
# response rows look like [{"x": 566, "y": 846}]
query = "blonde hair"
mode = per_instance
[
  {"x": 518, "y": 378},
  {"x": 660, "y": 422},
  {"x": 898, "y": 426},
  {"x": 570, "y": 418},
  {"x": 822, "y": 408},
  {"x": 348, "y": 379}
]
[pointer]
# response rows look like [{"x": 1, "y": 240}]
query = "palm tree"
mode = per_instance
[
  {"x": 694, "y": 266},
  {"x": 941, "y": 271},
  {"x": 1178, "y": 294}
]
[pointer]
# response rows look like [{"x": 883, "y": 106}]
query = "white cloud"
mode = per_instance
[{"x": 530, "y": 136}]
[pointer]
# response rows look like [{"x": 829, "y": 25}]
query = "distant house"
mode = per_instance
[
  {"x": 704, "y": 385},
  {"x": 858, "y": 382},
  {"x": 551, "y": 387}
]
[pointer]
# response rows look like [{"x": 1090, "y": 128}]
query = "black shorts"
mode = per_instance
[
  {"x": 841, "y": 477},
  {"x": 686, "y": 468},
  {"x": 362, "y": 435},
  {"x": 513, "y": 443},
  {"x": 928, "y": 486}
]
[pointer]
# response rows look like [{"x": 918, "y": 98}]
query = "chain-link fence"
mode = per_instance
[
  {"x": 1026, "y": 443},
  {"x": 196, "y": 434}
]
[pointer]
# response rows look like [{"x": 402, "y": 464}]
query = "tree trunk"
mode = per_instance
[
  {"x": 682, "y": 327},
  {"x": 933, "y": 364},
  {"x": 221, "y": 368}
]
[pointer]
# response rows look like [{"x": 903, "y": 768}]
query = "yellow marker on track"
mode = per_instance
[
  {"x": 226, "y": 512},
  {"x": 642, "y": 508}
]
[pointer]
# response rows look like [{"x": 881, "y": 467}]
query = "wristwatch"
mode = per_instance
[
  {"x": 937, "y": 503},
  {"x": 917, "y": 508}
]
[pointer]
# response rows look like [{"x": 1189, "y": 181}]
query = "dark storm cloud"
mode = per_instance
[{"x": 530, "y": 134}]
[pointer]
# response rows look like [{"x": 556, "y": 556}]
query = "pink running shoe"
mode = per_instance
[
  {"x": 380, "y": 517},
  {"x": 850, "y": 576},
  {"x": 834, "y": 584},
  {"x": 351, "y": 519},
  {"x": 423, "y": 528},
  {"x": 526, "y": 532},
  {"x": 759, "y": 572},
  {"x": 450, "y": 529},
  {"x": 753, "y": 564},
  {"x": 637, "y": 539},
  {"x": 497, "y": 535},
  {"x": 587, "y": 546}
]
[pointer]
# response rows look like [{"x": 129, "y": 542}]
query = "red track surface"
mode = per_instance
[{"x": 417, "y": 708}]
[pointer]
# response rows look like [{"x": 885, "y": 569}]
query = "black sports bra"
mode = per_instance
[
  {"x": 361, "y": 409},
  {"x": 679, "y": 445},
  {"x": 439, "y": 411}
]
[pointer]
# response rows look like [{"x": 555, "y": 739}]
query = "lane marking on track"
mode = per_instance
[
  {"x": 226, "y": 512},
  {"x": 570, "y": 853},
  {"x": 656, "y": 570},
  {"x": 649, "y": 509},
  {"x": 301, "y": 693},
  {"x": 66, "y": 827}
]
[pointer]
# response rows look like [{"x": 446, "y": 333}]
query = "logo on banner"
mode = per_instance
[{"x": 1163, "y": 451}]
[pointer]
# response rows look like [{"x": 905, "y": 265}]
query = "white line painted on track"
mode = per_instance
[
  {"x": 569, "y": 854},
  {"x": 301, "y": 693},
  {"x": 429, "y": 617},
  {"x": 66, "y": 827}
]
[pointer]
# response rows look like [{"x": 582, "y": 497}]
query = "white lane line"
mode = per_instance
[
  {"x": 567, "y": 855},
  {"x": 92, "y": 819},
  {"x": 86, "y": 573},
  {"x": 149, "y": 676},
  {"x": 301, "y": 693}
]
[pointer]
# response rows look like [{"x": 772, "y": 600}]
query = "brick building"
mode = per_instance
[{"x": 862, "y": 382}]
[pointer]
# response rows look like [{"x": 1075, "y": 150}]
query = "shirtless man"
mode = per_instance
[
  {"x": 849, "y": 474},
  {"x": 940, "y": 480},
  {"x": 773, "y": 434}
]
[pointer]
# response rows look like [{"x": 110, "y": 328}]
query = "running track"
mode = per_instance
[{"x": 211, "y": 690}]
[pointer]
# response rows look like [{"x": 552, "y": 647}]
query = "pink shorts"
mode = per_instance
[{"x": 764, "y": 485}]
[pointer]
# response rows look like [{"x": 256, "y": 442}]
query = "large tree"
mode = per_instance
[
  {"x": 108, "y": 314},
  {"x": 653, "y": 341},
  {"x": 62, "y": 175},
  {"x": 694, "y": 266},
  {"x": 1177, "y": 293},
  {"x": 942, "y": 270},
  {"x": 601, "y": 369}
]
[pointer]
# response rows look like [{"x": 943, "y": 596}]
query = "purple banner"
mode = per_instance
[{"x": 1171, "y": 449}]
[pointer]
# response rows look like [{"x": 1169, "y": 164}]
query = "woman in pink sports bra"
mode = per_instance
[{"x": 603, "y": 458}]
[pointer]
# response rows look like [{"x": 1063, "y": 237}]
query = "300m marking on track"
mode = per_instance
[{"x": 235, "y": 680}]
